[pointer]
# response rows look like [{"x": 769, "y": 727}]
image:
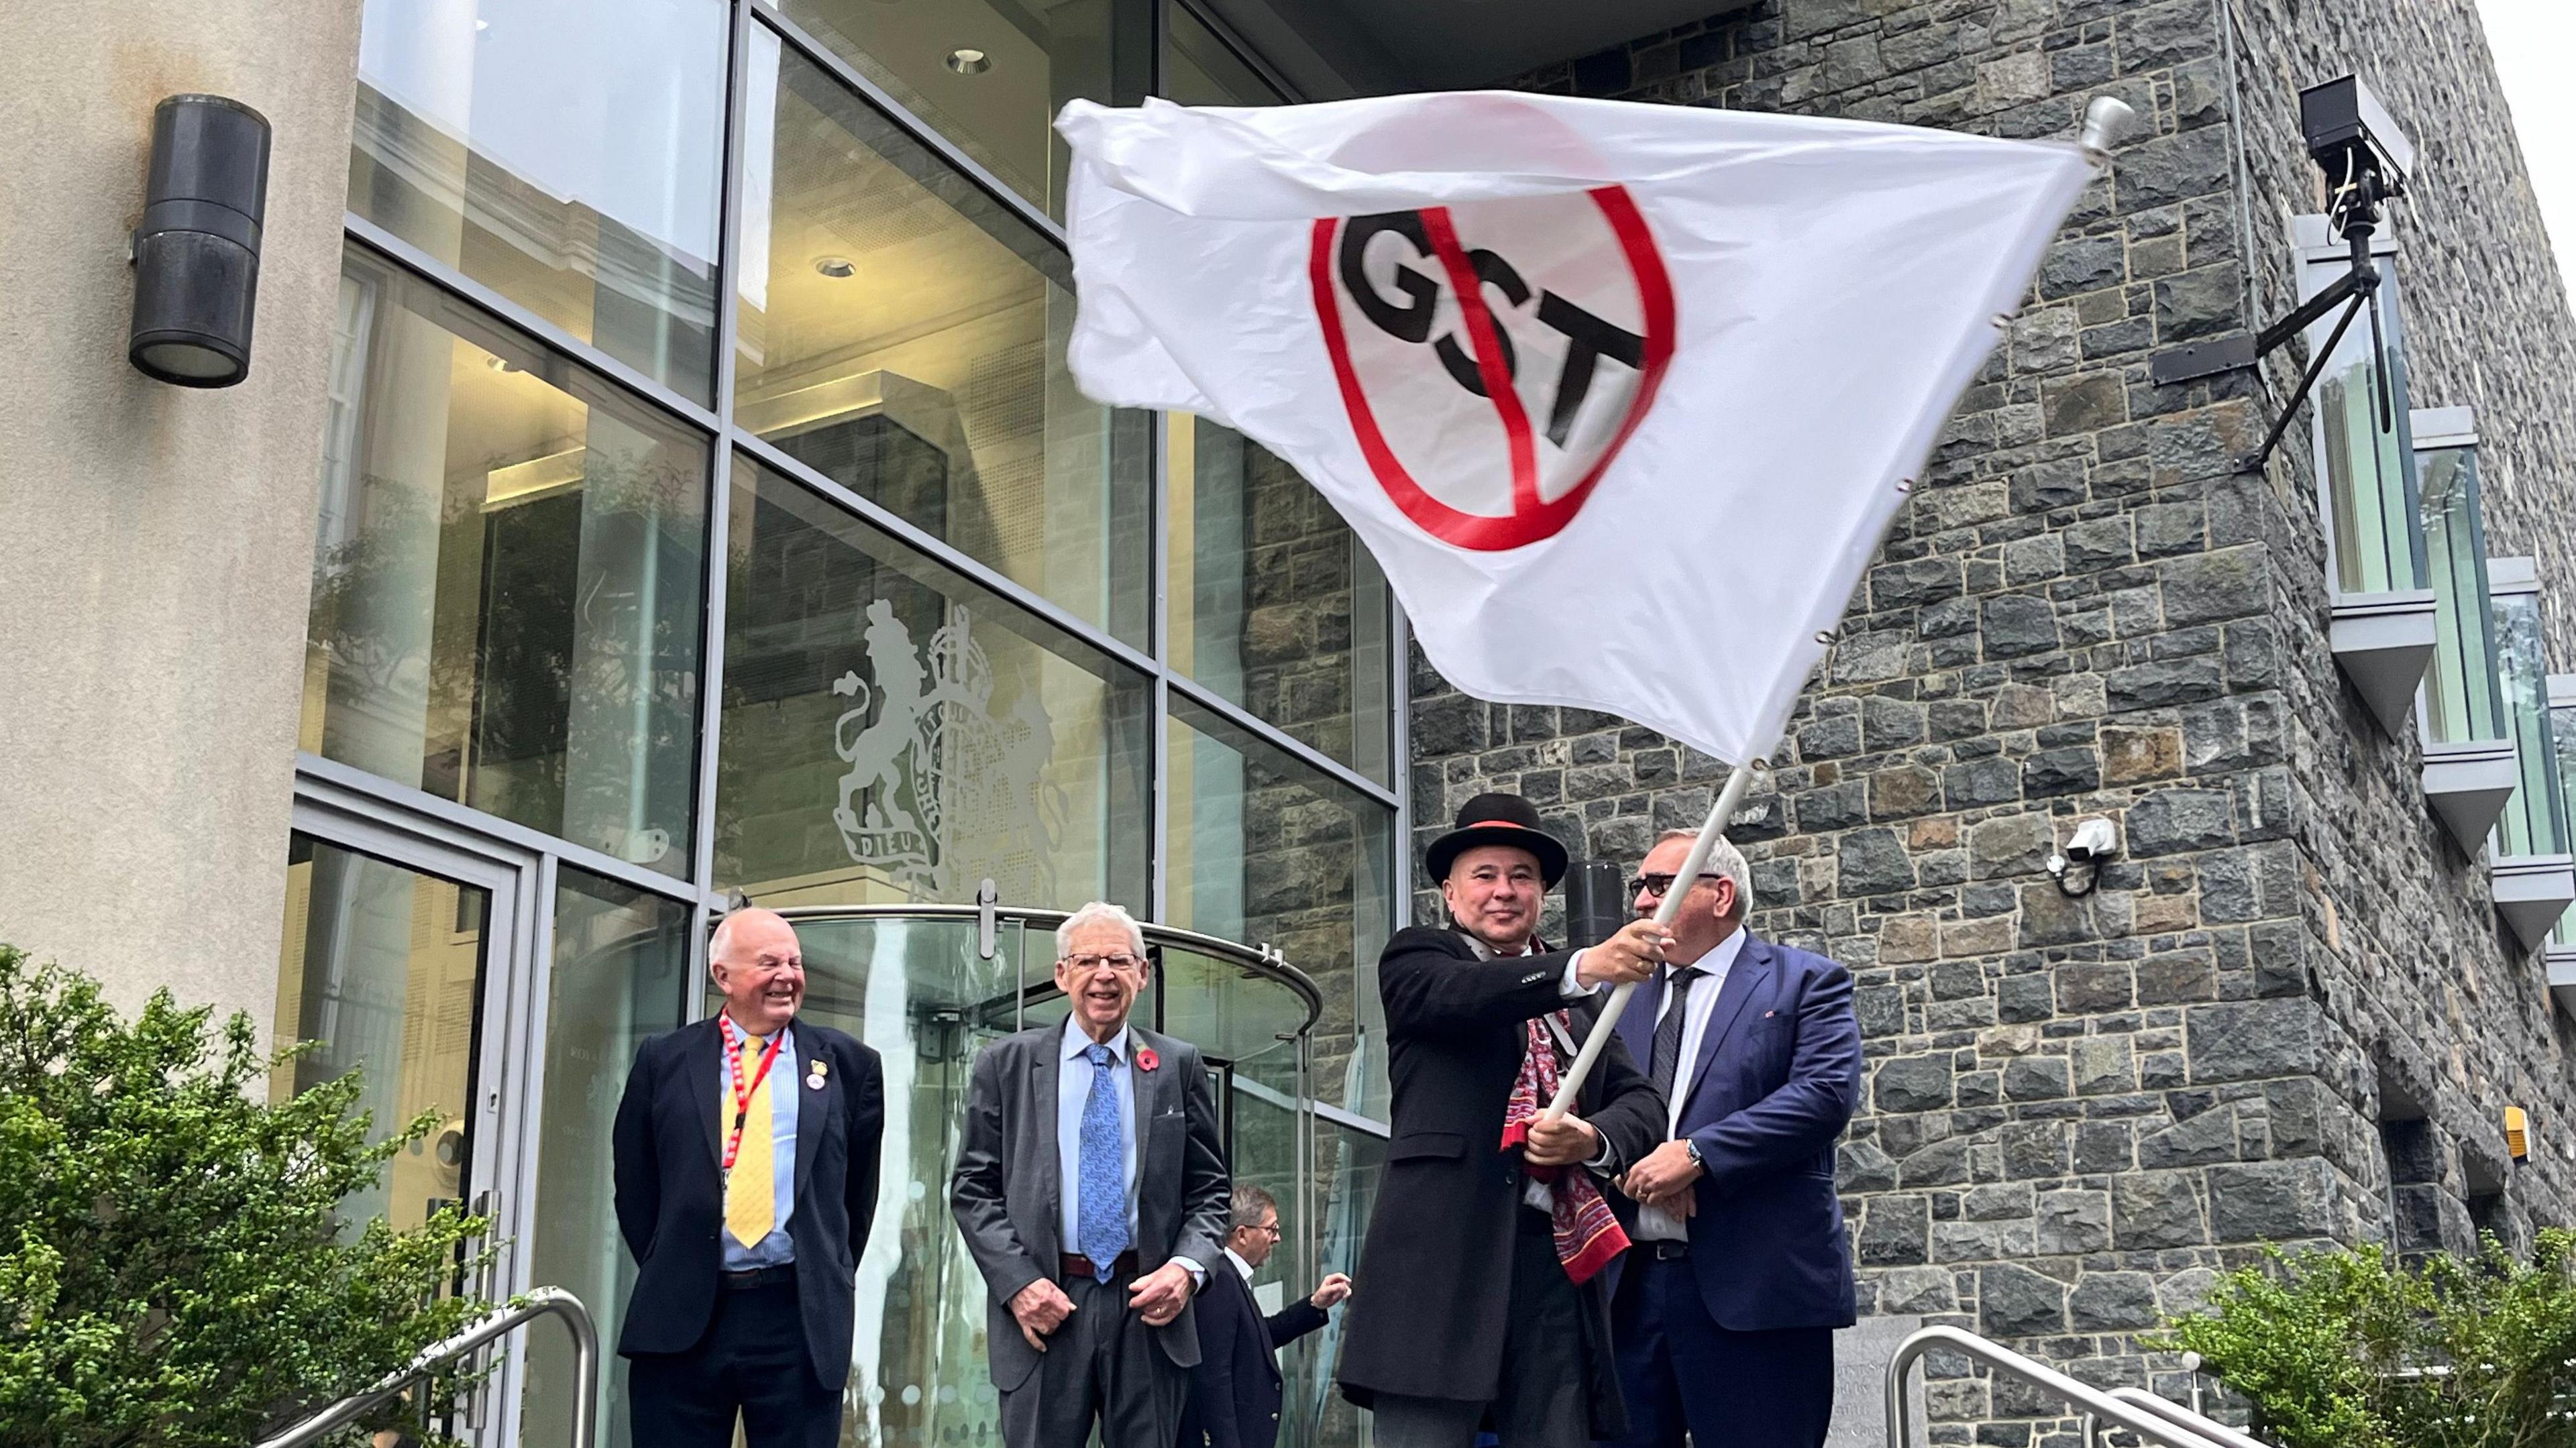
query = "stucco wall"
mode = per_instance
[{"x": 156, "y": 541}]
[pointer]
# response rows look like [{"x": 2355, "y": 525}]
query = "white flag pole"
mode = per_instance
[
  {"x": 1729, "y": 799},
  {"x": 2106, "y": 120}
]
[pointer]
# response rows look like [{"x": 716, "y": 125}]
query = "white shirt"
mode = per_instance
[
  {"x": 1653, "y": 1223},
  {"x": 1240, "y": 1265},
  {"x": 1072, "y": 1094}
]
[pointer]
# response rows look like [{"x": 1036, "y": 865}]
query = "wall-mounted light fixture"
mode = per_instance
[{"x": 196, "y": 255}]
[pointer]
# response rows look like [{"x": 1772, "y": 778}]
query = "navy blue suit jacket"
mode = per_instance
[
  {"x": 1236, "y": 1390},
  {"x": 1776, "y": 1081},
  {"x": 669, "y": 1143}
]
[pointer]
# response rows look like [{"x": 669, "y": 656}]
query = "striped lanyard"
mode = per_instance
[{"x": 733, "y": 1039}]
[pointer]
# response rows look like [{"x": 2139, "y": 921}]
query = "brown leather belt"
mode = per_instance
[{"x": 1077, "y": 1265}]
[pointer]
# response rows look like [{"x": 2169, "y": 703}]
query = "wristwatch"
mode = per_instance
[{"x": 1691, "y": 1148}]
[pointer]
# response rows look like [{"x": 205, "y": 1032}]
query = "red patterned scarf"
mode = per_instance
[{"x": 1588, "y": 1237}]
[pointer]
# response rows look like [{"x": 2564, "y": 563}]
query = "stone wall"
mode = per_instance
[{"x": 2285, "y": 1013}]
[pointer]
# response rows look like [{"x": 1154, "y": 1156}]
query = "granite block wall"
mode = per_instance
[{"x": 2286, "y": 1012}]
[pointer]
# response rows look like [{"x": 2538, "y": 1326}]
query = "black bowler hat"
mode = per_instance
[{"x": 1497, "y": 819}]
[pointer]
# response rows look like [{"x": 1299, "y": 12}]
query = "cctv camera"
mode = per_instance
[
  {"x": 2351, "y": 136},
  {"x": 2093, "y": 839}
]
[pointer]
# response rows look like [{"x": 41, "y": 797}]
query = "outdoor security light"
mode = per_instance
[{"x": 196, "y": 255}]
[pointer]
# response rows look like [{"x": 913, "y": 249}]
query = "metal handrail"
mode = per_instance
[
  {"x": 541, "y": 1302},
  {"x": 2152, "y": 1427},
  {"x": 2200, "y": 1423}
]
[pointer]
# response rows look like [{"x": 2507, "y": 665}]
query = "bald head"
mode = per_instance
[{"x": 758, "y": 965}]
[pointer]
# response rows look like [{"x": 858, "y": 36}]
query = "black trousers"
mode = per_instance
[
  {"x": 1102, "y": 1364},
  {"x": 1681, "y": 1371},
  {"x": 1540, "y": 1400},
  {"x": 752, "y": 1361}
]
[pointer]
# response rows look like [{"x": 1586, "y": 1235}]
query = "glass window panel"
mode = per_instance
[
  {"x": 2562, "y": 725},
  {"x": 1225, "y": 1010},
  {"x": 919, "y": 993},
  {"x": 1274, "y": 602},
  {"x": 567, "y": 155},
  {"x": 2534, "y": 820},
  {"x": 903, "y": 335},
  {"x": 507, "y": 578},
  {"x": 1035, "y": 55},
  {"x": 1350, "y": 1164},
  {"x": 383, "y": 966},
  {"x": 1199, "y": 69},
  {"x": 892, "y": 733},
  {"x": 2370, "y": 472},
  {"x": 2461, "y": 698},
  {"x": 1263, "y": 850},
  {"x": 620, "y": 974}
]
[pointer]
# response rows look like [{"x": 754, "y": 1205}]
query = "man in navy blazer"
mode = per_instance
[
  {"x": 1725, "y": 1308},
  {"x": 1236, "y": 1390},
  {"x": 746, "y": 1195}
]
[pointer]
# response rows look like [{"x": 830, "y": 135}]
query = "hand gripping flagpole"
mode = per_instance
[
  {"x": 1728, "y": 799},
  {"x": 2106, "y": 120}
]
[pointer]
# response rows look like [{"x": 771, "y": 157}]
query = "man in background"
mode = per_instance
[{"x": 1236, "y": 1392}]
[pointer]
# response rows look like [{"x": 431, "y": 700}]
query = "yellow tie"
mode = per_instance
[{"x": 751, "y": 1189}]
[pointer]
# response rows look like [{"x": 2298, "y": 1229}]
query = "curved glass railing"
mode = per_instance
[{"x": 928, "y": 986}]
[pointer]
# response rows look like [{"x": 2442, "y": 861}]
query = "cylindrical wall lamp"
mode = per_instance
[{"x": 196, "y": 255}]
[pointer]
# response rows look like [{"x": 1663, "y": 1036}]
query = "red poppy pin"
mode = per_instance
[{"x": 1146, "y": 1060}]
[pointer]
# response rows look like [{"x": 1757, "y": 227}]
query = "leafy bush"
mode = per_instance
[
  {"x": 2343, "y": 1349},
  {"x": 174, "y": 1270}
]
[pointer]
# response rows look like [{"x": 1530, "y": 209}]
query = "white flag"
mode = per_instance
[{"x": 1620, "y": 396}]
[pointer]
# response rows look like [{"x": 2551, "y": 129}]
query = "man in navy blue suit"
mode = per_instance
[
  {"x": 1236, "y": 1390},
  {"x": 1724, "y": 1312}
]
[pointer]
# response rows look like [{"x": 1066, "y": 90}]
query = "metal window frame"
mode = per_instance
[{"x": 344, "y": 787}]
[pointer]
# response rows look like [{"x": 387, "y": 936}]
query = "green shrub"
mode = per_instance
[
  {"x": 2342, "y": 1348},
  {"x": 174, "y": 1270}
]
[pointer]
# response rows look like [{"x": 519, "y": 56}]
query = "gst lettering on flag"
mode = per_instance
[{"x": 1494, "y": 356}]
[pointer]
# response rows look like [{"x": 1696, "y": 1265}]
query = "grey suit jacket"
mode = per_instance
[{"x": 1008, "y": 1202}]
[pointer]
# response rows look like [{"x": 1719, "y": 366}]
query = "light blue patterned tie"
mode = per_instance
[{"x": 1104, "y": 1170}]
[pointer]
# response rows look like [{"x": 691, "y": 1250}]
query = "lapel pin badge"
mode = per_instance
[
  {"x": 814, "y": 1074},
  {"x": 1146, "y": 1060}
]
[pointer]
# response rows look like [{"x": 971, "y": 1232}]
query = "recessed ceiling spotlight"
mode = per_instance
[
  {"x": 835, "y": 267},
  {"x": 967, "y": 60}
]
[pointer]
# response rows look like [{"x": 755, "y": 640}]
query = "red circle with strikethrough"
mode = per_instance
[{"x": 1532, "y": 517}]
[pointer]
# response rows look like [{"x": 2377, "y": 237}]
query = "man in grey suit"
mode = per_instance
[{"x": 1091, "y": 1189}]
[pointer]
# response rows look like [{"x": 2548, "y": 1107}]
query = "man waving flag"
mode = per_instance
[{"x": 1620, "y": 396}]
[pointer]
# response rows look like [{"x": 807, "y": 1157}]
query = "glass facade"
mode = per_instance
[
  {"x": 2462, "y": 699},
  {"x": 2369, "y": 470},
  {"x": 566, "y": 155},
  {"x": 706, "y": 506},
  {"x": 508, "y": 577},
  {"x": 382, "y": 967},
  {"x": 2535, "y": 819}
]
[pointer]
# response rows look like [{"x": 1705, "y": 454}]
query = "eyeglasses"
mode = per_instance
[
  {"x": 1117, "y": 960},
  {"x": 1655, "y": 886},
  {"x": 1270, "y": 1230}
]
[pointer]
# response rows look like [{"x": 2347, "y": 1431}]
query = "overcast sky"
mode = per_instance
[{"x": 2534, "y": 41}]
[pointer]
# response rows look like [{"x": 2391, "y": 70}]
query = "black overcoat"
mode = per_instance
[{"x": 1434, "y": 1283}]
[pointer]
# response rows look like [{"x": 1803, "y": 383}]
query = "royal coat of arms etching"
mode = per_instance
[{"x": 935, "y": 782}]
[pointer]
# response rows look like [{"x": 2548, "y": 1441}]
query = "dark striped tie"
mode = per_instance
[{"x": 1668, "y": 1031}]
